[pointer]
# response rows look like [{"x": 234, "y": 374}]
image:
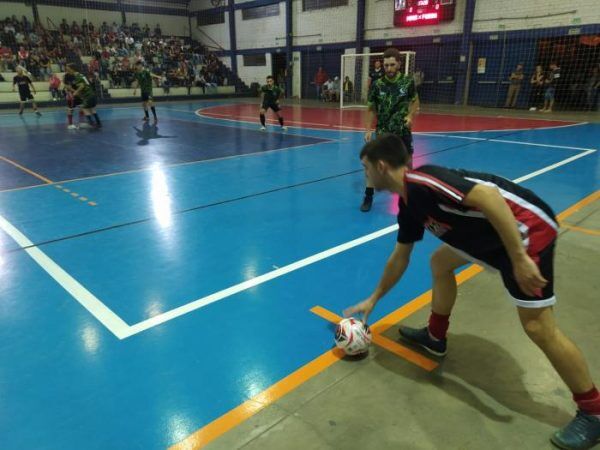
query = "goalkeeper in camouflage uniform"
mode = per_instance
[
  {"x": 143, "y": 80},
  {"x": 393, "y": 101},
  {"x": 270, "y": 94}
]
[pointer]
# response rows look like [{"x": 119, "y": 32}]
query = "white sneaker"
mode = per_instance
[
  {"x": 72, "y": 127},
  {"x": 533, "y": 108},
  {"x": 262, "y": 128},
  {"x": 284, "y": 128}
]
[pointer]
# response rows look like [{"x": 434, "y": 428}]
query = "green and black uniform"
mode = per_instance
[
  {"x": 144, "y": 80},
  {"x": 390, "y": 99},
  {"x": 270, "y": 97},
  {"x": 87, "y": 93}
]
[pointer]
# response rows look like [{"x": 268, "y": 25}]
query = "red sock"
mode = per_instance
[
  {"x": 438, "y": 325},
  {"x": 589, "y": 402}
]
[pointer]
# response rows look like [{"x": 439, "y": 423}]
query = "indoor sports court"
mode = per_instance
[{"x": 176, "y": 283}]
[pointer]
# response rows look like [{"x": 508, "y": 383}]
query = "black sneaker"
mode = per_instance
[
  {"x": 421, "y": 337},
  {"x": 581, "y": 433},
  {"x": 367, "y": 203},
  {"x": 38, "y": 113}
]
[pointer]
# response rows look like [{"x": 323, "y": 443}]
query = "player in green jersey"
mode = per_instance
[
  {"x": 270, "y": 94},
  {"x": 393, "y": 101},
  {"x": 85, "y": 91},
  {"x": 143, "y": 80}
]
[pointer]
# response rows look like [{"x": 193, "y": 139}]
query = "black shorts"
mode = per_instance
[
  {"x": 25, "y": 96},
  {"x": 73, "y": 102},
  {"x": 274, "y": 106},
  {"x": 500, "y": 261},
  {"x": 89, "y": 102},
  {"x": 146, "y": 96}
]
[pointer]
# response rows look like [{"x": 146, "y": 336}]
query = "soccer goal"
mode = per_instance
[{"x": 357, "y": 68}]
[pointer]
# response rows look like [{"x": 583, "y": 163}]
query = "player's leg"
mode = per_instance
[
  {"x": 152, "y": 108},
  {"x": 145, "y": 106},
  {"x": 263, "y": 120},
  {"x": 21, "y": 106},
  {"x": 276, "y": 109},
  {"x": 35, "y": 108},
  {"x": 444, "y": 262}
]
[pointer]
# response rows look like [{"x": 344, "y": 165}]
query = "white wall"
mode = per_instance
[
  {"x": 379, "y": 22},
  {"x": 218, "y": 33},
  {"x": 169, "y": 25},
  {"x": 516, "y": 11},
  {"x": 260, "y": 33},
  {"x": 7, "y": 9},
  {"x": 253, "y": 74},
  {"x": 322, "y": 26},
  {"x": 95, "y": 16}
]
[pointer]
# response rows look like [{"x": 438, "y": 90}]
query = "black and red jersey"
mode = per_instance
[{"x": 434, "y": 201}]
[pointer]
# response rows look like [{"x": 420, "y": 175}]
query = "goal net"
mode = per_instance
[{"x": 356, "y": 67}]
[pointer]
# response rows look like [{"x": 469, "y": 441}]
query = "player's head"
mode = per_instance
[
  {"x": 382, "y": 157},
  {"x": 270, "y": 80},
  {"x": 391, "y": 62},
  {"x": 553, "y": 65},
  {"x": 71, "y": 68},
  {"x": 377, "y": 64},
  {"x": 19, "y": 70}
]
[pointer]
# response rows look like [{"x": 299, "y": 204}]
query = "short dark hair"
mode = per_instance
[
  {"x": 389, "y": 148},
  {"x": 392, "y": 53},
  {"x": 270, "y": 77}
]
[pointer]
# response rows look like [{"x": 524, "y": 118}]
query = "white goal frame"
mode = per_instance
[{"x": 408, "y": 55}]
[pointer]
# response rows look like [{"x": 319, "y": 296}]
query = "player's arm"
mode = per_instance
[
  {"x": 370, "y": 121},
  {"x": 32, "y": 86},
  {"x": 489, "y": 201},
  {"x": 413, "y": 109},
  {"x": 393, "y": 271},
  {"x": 14, "y": 84}
]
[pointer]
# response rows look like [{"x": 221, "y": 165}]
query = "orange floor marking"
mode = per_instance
[{"x": 231, "y": 419}]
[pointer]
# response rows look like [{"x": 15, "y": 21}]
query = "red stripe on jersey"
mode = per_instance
[
  {"x": 428, "y": 184},
  {"x": 437, "y": 180},
  {"x": 540, "y": 233}
]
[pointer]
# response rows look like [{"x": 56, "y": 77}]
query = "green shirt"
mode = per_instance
[
  {"x": 271, "y": 94},
  {"x": 391, "y": 99},
  {"x": 80, "y": 80},
  {"x": 144, "y": 80}
]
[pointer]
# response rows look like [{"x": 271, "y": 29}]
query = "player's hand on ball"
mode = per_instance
[
  {"x": 368, "y": 136},
  {"x": 364, "y": 308},
  {"x": 528, "y": 276}
]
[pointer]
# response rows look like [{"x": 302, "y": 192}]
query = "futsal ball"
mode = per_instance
[{"x": 352, "y": 336}]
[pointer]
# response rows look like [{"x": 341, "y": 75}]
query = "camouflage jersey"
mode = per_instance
[
  {"x": 271, "y": 94},
  {"x": 87, "y": 91},
  {"x": 390, "y": 100},
  {"x": 144, "y": 80}
]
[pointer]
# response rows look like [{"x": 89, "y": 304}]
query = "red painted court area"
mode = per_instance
[{"x": 353, "y": 119}]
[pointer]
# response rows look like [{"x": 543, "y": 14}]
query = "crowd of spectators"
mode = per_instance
[{"x": 114, "y": 49}]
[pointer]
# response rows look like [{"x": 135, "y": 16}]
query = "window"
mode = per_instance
[
  {"x": 255, "y": 60},
  {"x": 208, "y": 17},
  {"x": 260, "y": 11},
  {"x": 307, "y": 5}
]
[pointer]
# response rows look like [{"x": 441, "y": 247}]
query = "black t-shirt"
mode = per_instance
[
  {"x": 434, "y": 201},
  {"x": 375, "y": 75},
  {"x": 23, "y": 82}
]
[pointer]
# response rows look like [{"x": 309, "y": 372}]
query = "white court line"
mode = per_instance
[
  {"x": 506, "y": 129},
  {"x": 88, "y": 300},
  {"x": 504, "y": 141}
]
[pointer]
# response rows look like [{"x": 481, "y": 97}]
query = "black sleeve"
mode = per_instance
[
  {"x": 409, "y": 230},
  {"x": 447, "y": 185}
]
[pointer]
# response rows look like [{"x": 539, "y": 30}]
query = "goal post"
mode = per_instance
[{"x": 356, "y": 66}]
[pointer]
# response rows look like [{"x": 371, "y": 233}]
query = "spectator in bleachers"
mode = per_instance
[
  {"x": 75, "y": 30},
  {"x": 157, "y": 31},
  {"x": 321, "y": 78},
  {"x": 22, "y": 57},
  {"x": 64, "y": 27},
  {"x": 45, "y": 69},
  {"x": 6, "y": 58},
  {"x": 348, "y": 89},
  {"x": 54, "y": 85}
]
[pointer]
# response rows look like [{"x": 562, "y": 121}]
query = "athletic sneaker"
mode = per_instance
[
  {"x": 581, "y": 433},
  {"x": 37, "y": 113},
  {"x": 72, "y": 127},
  {"x": 284, "y": 128},
  {"x": 421, "y": 337},
  {"x": 146, "y": 119},
  {"x": 262, "y": 128},
  {"x": 20, "y": 113},
  {"x": 367, "y": 203}
]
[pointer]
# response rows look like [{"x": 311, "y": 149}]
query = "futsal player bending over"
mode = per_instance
[
  {"x": 488, "y": 219},
  {"x": 24, "y": 83},
  {"x": 86, "y": 93},
  {"x": 143, "y": 80},
  {"x": 393, "y": 103},
  {"x": 270, "y": 94}
]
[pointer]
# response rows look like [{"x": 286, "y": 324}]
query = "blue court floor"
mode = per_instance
[{"x": 154, "y": 278}]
